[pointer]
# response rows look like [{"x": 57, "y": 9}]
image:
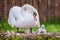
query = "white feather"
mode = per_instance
[
  {"x": 42, "y": 30},
  {"x": 22, "y": 17}
]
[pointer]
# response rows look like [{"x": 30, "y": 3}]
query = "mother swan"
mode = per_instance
[{"x": 22, "y": 17}]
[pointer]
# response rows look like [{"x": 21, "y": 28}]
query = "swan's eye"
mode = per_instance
[{"x": 34, "y": 14}]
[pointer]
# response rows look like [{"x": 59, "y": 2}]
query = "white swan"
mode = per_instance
[
  {"x": 42, "y": 30},
  {"x": 22, "y": 17}
]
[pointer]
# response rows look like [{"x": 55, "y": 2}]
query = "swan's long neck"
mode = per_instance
[{"x": 31, "y": 10}]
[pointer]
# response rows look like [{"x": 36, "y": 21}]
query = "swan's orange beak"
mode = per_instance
[{"x": 34, "y": 17}]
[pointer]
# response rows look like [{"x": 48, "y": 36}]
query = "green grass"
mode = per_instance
[{"x": 50, "y": 26}]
